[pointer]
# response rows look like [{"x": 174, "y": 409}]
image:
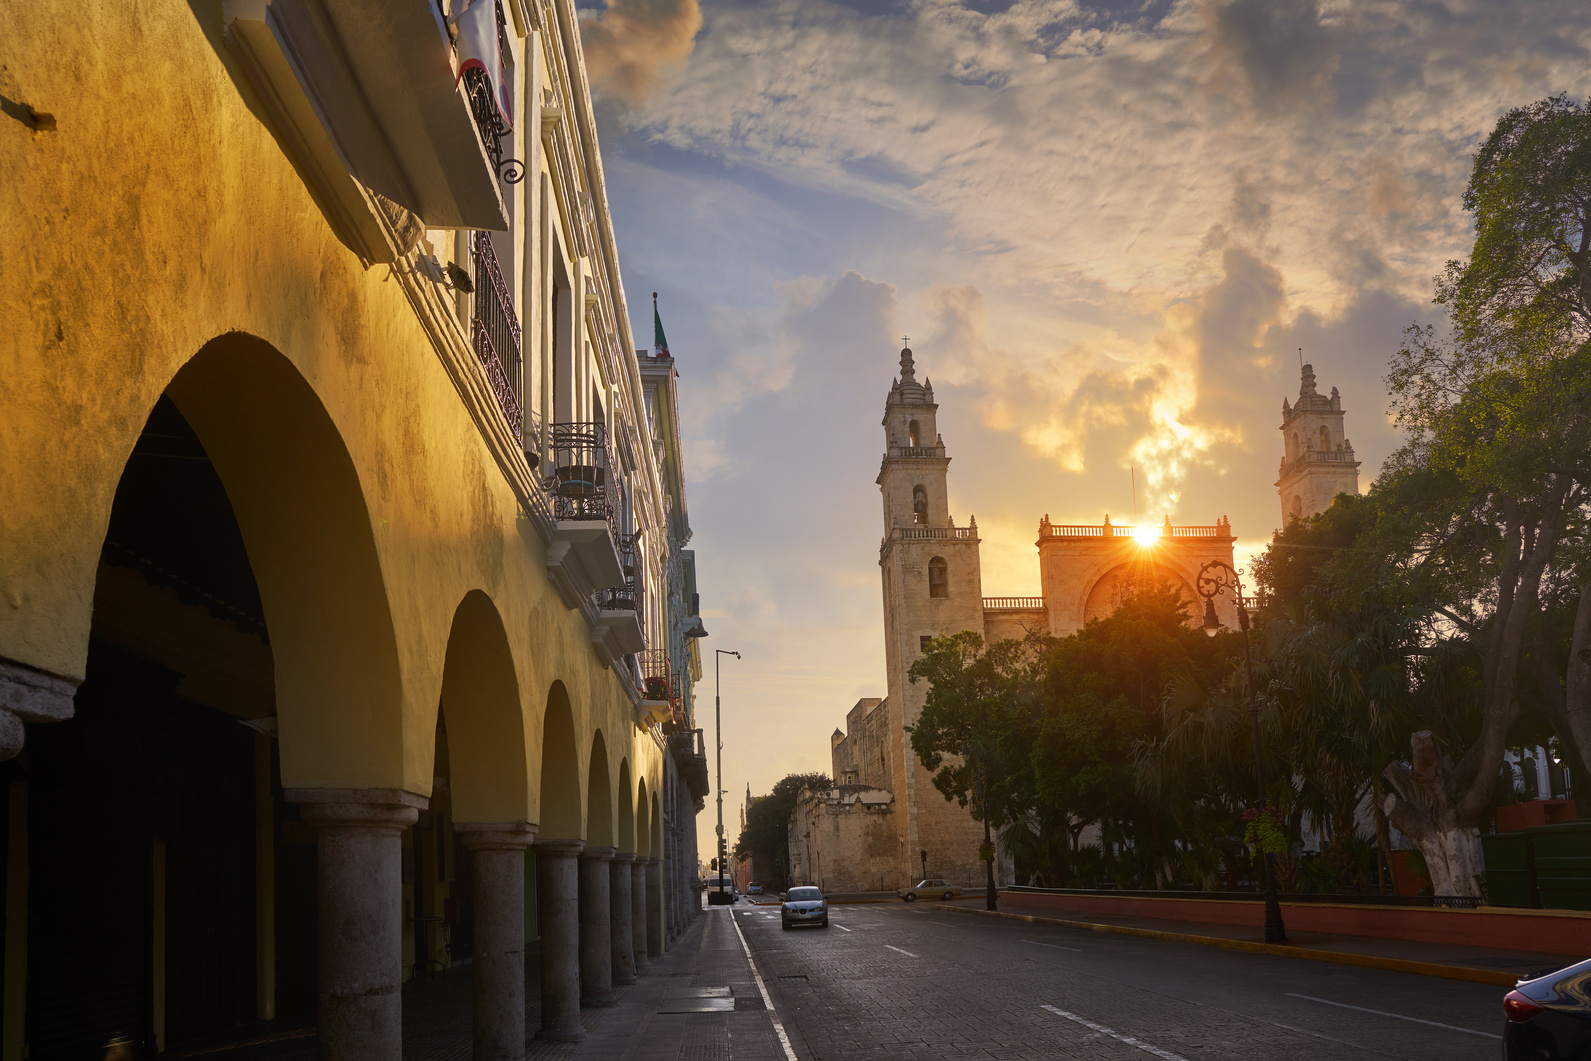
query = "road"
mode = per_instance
[{"x": 898, "y": 982}]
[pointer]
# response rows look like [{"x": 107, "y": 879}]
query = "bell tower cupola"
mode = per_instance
[
  {"x": 914, "y": 468},
  {"x": 1317, "y": 458}
]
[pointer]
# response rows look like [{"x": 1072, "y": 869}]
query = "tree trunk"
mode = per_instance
[
  {"x": 1421, "y": 805},
  {"x": 1383, "y": 839},
  {"x": 1577, "y": 684}
]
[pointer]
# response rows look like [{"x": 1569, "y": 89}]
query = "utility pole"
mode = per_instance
[{"x": 718, "y": 737}]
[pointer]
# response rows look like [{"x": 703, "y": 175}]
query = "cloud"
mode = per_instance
[{"x": 631, "y": 45}]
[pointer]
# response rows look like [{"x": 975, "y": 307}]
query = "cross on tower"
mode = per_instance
[{"x": 905, "y": 340}]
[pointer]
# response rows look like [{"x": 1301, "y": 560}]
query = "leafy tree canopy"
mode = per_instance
[{"x": 768, "y": 818}]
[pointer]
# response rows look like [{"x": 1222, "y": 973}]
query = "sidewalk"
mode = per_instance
[
  {"x": 691, "y": 1004},
  {"x": 1450, "y": 961}
]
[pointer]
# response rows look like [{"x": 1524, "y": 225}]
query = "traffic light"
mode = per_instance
[{"x": 715, "y": 863}]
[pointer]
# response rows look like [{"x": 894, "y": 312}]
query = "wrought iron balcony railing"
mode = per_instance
[
  {"x": 632, "y": 595},
  {"x": 658, "y": 680},
  {"x": 496, "y": 332},
  {"x": 580, "y": 474}
]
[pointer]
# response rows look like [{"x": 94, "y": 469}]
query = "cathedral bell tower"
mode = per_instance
[
  {"x": 933, "y": 587},
  {"x": 1317, "y": 458}
]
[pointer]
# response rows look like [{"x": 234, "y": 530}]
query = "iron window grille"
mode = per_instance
[{"x": 496, "y": 332}]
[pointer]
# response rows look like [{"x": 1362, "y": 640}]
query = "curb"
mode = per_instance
[{"x": 1367, "y": 961}]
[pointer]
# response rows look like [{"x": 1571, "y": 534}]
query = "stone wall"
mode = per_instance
[
  {"x": 845, "y": 839},
  {"x": 861, "y": 754}
]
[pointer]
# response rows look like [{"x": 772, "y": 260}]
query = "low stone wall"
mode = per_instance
[{"x": 1547, "y": 931}]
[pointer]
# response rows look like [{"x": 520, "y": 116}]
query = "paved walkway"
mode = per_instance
[{"x": 699, "y": 1002}]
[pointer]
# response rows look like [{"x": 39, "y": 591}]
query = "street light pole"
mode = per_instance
[
  {"x": 718, "y": 738},
  {"x": 1215, "y": 578}
]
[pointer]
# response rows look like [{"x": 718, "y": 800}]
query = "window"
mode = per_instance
[
  {"x": 938, "y": 578},
  {"x": 913, "y": 433},
  {"x": 1295, "y": 444},
  {"x": 919, "y": 505},
  {"x": 1325, "y": 439},
  {"x": 922, "y": 642},
  {"x": 1296, "y": 507}
]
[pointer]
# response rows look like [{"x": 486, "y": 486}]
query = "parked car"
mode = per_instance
[
  {"x": 1549, "y": 1016},
  {"x": 930, "y": 889},
  {"x": 753, "y": 888},
  {"x": 804, "y": 906}
]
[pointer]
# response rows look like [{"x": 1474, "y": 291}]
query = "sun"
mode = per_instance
[{"x": 1146, "y": 536}]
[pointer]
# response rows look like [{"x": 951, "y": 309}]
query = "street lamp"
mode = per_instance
[
  {"x": 1215, "y": 578},
  {"x": 718, "y": 737}
]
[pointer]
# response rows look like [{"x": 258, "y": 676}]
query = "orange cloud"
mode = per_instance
[{"x": 631, "y": 45}]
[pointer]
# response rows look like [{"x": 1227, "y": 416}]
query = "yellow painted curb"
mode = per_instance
[{"x": 1367, "y": 961}]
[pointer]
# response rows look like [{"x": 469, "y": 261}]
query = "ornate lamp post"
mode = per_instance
[{"x": 1215, "y": 578}]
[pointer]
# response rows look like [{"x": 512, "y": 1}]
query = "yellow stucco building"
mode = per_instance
[{"x": 343, "y": 575}]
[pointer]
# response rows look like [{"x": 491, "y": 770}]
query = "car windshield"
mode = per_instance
[{"x": 800, "y": 895}]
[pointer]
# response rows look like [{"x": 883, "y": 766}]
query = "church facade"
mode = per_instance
[{"x": 933, "y": 586}]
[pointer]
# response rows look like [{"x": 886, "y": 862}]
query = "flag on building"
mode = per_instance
[
  {"x": 480, "y": 48},
  {"x": 659, "y": 340}
]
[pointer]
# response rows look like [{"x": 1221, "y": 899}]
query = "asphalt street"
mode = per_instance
[{"x": 898, "y": 981}]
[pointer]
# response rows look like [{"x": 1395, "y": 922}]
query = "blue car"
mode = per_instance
[{"x": 804, "y": 906}]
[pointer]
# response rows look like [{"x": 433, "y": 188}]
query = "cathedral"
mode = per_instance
[{"x": 884, "y": 824}]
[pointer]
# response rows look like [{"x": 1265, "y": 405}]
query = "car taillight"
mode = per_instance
[{"x": 1519, "y": 1008}]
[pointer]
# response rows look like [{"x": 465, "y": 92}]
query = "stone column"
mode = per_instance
[
  {"x": 497, "y": 873},
  {"x": 654, "y": 908},
  {"x": 638, "y": 915},
  {"x": 622, "y": 936},
  {"x": 360, "y": 909},
  {"x": 29, "y": 695},
  {"x": 558, "y": 903},
  {"x": 596, "y": 933}
]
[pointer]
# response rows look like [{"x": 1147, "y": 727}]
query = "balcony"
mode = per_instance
[
  {"x": 1013, "y": 604},
  {"x": 660, "y": 688},
  {"x": 1317, "y": 456},
  {"x": 619, "y": 608},
  {"x": 584, "y": 496},
  {"x": 496, "y": 332},
  {"x": 1109, "y": 530}
]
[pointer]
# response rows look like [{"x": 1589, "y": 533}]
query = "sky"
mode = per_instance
[{"x": 1108, "y": 228}]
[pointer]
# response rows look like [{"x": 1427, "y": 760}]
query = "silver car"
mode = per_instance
[{"x": 804, "y": 906}]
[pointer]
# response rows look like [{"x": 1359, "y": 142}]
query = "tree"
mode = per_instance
[
  {"x": 765, "y": 836},
  {"x": 974, "y": 730}
]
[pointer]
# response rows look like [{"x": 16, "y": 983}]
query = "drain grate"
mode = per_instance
[
  {"x": 750, "y": 1002},
  {"x": 703, "y": 1052}
]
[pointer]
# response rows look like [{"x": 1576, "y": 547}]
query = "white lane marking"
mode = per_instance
[
  {"x": 1167, "y": 1055},
  {"x": 778, "y": 1027},
  {"x": 1052, "y": 946},
  {"x": 1398, "y": 1016},
  {"x": 941, "y": 924},
  {"x": 842, "y": 928},
  {"x": 908, "y": 953}
]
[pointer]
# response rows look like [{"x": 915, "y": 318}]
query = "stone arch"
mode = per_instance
[
  {"x": 1325, "y": 438},
  {"x": 599, "y": 796},
  {"x": 561, "y": 812},
  {"x": 625, "y": 840},
  {"x": 490, "y": 774},
  {"x": 1295, "y": 507},
  {"x": 938, "y": 577},
  {"x": 643, "y": 824},
  {"x": 1111, "y": 587},
  {"x": 301, "y": 510}
]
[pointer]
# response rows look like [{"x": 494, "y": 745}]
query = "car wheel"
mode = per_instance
[
  {"x": 824, "y": 923},
  {"x": 910, "y": 897},
  {"x": 785, "y": 925},
  {"x": 950, "y": 895}
]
